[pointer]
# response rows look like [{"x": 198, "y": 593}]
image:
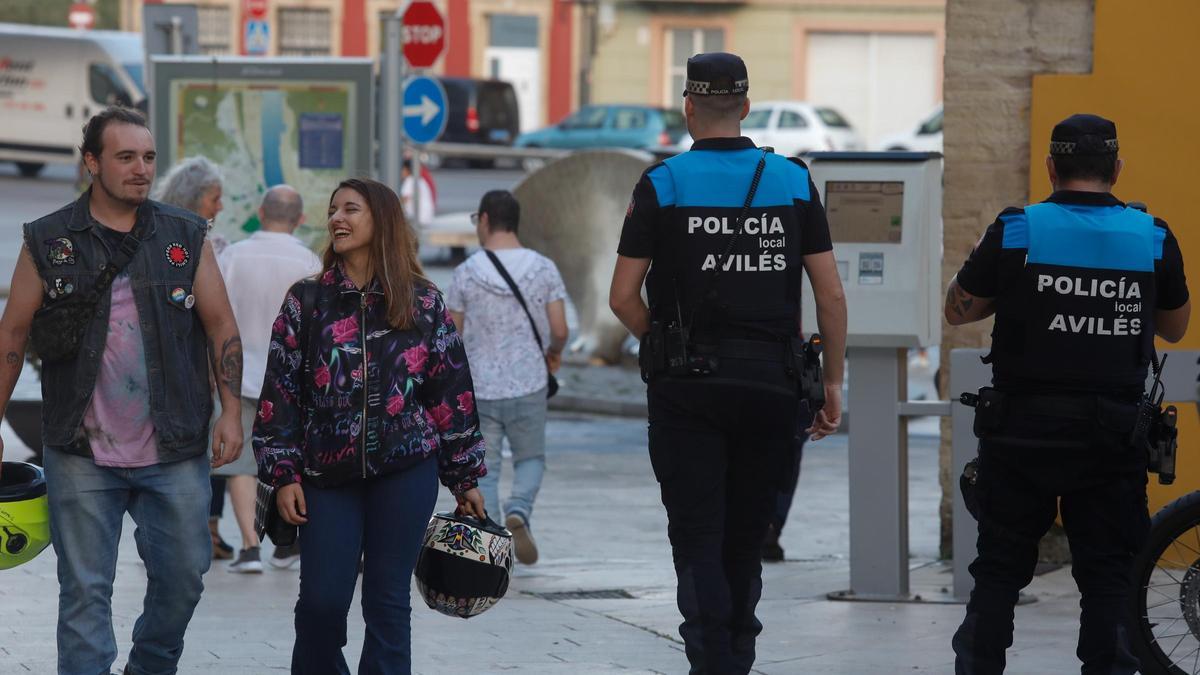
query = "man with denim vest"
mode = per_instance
[{"x": 125, "y": 419}]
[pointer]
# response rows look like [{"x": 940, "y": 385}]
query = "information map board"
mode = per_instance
[{"x": 265, "y": 122}]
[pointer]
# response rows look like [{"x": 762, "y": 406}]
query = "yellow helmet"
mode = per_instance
[{"x": 24, "y": 513}]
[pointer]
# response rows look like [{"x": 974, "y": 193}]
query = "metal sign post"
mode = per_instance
[{"x": 390, "y": 150}]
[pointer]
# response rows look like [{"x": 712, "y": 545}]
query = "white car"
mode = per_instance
[
  {"x": 927, "y": 137},
  {"x": 795, "y": 128}
]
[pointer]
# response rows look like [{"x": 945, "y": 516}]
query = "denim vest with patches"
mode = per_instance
[{"x": 69, "y": 253}]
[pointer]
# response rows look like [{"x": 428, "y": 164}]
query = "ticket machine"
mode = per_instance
[{"x": 885, "y": 218}]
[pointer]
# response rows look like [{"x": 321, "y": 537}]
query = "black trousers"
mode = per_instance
[
  {"x": 1032, "y": 468},
  {"x": 790, "y": 478},
  {"x": 717, "y": 447}
]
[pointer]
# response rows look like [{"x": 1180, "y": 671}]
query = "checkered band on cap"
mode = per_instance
[
  {"x": 706, "y": 89},
  {"x": 1069, "y": 147}
]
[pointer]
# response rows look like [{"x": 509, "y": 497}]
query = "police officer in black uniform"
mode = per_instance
[
  {"x": 1080, "y": 284},
  {"x": 721, "y": 350}
]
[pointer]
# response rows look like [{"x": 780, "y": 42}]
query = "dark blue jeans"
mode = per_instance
[{"x": 382, "y": 522}]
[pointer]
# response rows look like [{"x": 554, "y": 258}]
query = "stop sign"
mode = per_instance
[
  {"x": 256, "y": 9},
  {"x": 423, "y": 34},
  {"x": 81, "y": 16}
]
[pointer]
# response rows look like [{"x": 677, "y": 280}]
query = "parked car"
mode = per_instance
[
  {"x": 611, "y": 126},
  {"x": 927, "y": 137},
  {"x": 53, "y": 79},
  {"x": 480, "y": 111},
  {"x": 795, "y": 128}
]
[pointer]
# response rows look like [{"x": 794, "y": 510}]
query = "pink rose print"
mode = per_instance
[
  {"x": 466, "y": 402},
  {"x": 416, "y": 357},
  {"x": 356, "y": 374},
  {"x": 345, "y": 330},
  {"x": 266, "y": 411},
  {"x": 442, "y": 416},
  {"x": 290, "y": 342},
  {"x": 280, "y": 325},
  {"x": 321, "y": 376},
  {"x": 427, "y": 301},
  {"x": 395, "y": 404}
]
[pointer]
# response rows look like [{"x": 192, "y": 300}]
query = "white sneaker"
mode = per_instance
[
  {"x": 248, "y": 562},
  {"x": 286, "y": 557}
]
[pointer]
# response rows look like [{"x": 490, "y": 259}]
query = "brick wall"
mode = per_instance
[{"x": 993, "y": 50}]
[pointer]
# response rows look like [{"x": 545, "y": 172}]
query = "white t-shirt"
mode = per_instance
[
  {"x": 503, "y": 354},
  {"x": 258, "y": 272},
  {"x": 426, "y": 204}
]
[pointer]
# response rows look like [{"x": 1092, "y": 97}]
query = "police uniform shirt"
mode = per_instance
[
  {"x": 1080, "y": 319},
  {"x": 684, "y": 212}
]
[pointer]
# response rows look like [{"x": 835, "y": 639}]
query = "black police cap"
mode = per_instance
[
  {"x": 716, "y": 74},
  {"x": 1084, "y": 135}
]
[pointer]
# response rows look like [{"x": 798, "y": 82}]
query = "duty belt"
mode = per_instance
[{"x": 750, "y": 350}]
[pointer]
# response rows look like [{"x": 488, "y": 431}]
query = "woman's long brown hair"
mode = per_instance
[{"x": 393, "y": 258}]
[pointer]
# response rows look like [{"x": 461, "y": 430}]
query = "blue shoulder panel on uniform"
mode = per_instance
[
  {"x": 721, "y": 178},
  {"x": 1111, "y": 238},
  {"x": 1016, "y": 230},
  {"x": 664, "y": 186},
  {"x": 1160, "y": 237}
]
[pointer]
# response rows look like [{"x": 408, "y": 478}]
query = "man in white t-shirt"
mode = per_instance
[
  {"x": 509, "y": 371},
  {"x": 425, "y": 205},
  {"x": 258, "y": 272}
]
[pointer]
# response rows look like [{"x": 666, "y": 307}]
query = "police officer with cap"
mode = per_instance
[
  {"x": 720, "y": 236},
  {"x": 1080, "y": 284}
]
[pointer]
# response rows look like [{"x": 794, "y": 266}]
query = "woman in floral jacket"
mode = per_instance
[{"x": 355, "y": 433}]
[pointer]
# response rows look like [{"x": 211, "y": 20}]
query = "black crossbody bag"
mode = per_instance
[
  {"x": 267, "y": 520},
  {"x": 58, "y": 328},
  {"x": 551, "y": 381}
]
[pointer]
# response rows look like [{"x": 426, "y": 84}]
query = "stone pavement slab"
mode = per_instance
[{"x": 600, "y": 526}]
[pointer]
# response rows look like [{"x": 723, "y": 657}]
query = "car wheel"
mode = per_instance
[
  {"x": 531, "y": 164},
  {"x": 30, "y": 169}
]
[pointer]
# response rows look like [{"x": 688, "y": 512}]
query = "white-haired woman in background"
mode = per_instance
[{"x": 195, "y": 184}]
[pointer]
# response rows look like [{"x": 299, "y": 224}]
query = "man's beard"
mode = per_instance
[{"x": 129, "y": 200}]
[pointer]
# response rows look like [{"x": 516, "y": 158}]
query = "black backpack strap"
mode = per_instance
[{"x": 520, "y": 298}]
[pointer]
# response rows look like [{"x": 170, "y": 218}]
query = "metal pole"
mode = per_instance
[
  {"x": 417, "y": 182},
  {"x": 878, "y": 475},
  {"x": 176, "y": 30},
  {"x": 389, "y": 147}
]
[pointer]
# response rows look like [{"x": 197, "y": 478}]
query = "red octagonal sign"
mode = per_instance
[{"x": 424, "y": 34}]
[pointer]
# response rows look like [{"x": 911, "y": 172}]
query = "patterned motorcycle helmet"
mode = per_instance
[
  {"x": 24, "y": 514},
  {"x": 464, "y": 565}
]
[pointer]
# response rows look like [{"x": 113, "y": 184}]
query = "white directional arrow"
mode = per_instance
[{"x": 427, "y": 110}]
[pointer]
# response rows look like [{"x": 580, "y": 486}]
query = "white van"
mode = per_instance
[{"x": 52, "y": 80}]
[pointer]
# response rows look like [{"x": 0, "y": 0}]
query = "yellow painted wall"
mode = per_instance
[{"x": 1145, "y": 78}]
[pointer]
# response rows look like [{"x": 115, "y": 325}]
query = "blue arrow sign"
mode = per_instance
[{"x": 424, "y": 109}]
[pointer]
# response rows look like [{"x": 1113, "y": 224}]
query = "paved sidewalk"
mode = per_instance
[{"x": 600, "y": 527}]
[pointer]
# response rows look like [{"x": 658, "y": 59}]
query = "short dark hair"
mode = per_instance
[
  {"x": 1086, "y": 167},
  {"x": 502, "y": 209},
  {"x": 93, "y": 131}
]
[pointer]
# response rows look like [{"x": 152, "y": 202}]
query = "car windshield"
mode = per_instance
[
  {"x": 134, "y": 70},
  {"x": 832, "y": 118},
  {"x": 673, "y": 119},
  {"x": 757, "y": 119}
]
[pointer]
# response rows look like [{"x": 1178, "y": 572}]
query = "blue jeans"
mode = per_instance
[
  {"x": 169, "y": 503},
  {"x": 523, "y": 421},
  {"x": 382, "y": 522}
]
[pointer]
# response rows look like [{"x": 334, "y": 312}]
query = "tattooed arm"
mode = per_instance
[
  {"x": 225, "y": 351},
  {"x": 962, "y": 307},
  {"x": 24, "y": 298}
]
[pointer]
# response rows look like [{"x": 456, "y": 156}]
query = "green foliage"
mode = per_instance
[{"x": 54, "y": 12}]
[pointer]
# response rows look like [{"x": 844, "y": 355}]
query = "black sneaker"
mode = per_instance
[
  {"x": 286, "y": 557},
  {"x": 248, "y": 562},
  {"x": 771, "y": 550}
]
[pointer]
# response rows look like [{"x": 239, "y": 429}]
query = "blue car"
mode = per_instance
[{"x": 610, "y": 126}]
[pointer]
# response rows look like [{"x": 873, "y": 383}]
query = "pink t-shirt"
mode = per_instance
[{"x": 117, "y": 422}]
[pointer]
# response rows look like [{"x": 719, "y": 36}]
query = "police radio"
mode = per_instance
[{"x": 1156, "y": 428}]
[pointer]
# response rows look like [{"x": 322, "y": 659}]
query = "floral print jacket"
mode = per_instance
[{"x": 373, "y": 399}]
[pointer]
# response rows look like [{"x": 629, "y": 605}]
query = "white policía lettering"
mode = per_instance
[
  {"x": 752, "y": 226},
  {"x": 1091, "y": 325},
  {"x": 1093, "y": 288}
]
